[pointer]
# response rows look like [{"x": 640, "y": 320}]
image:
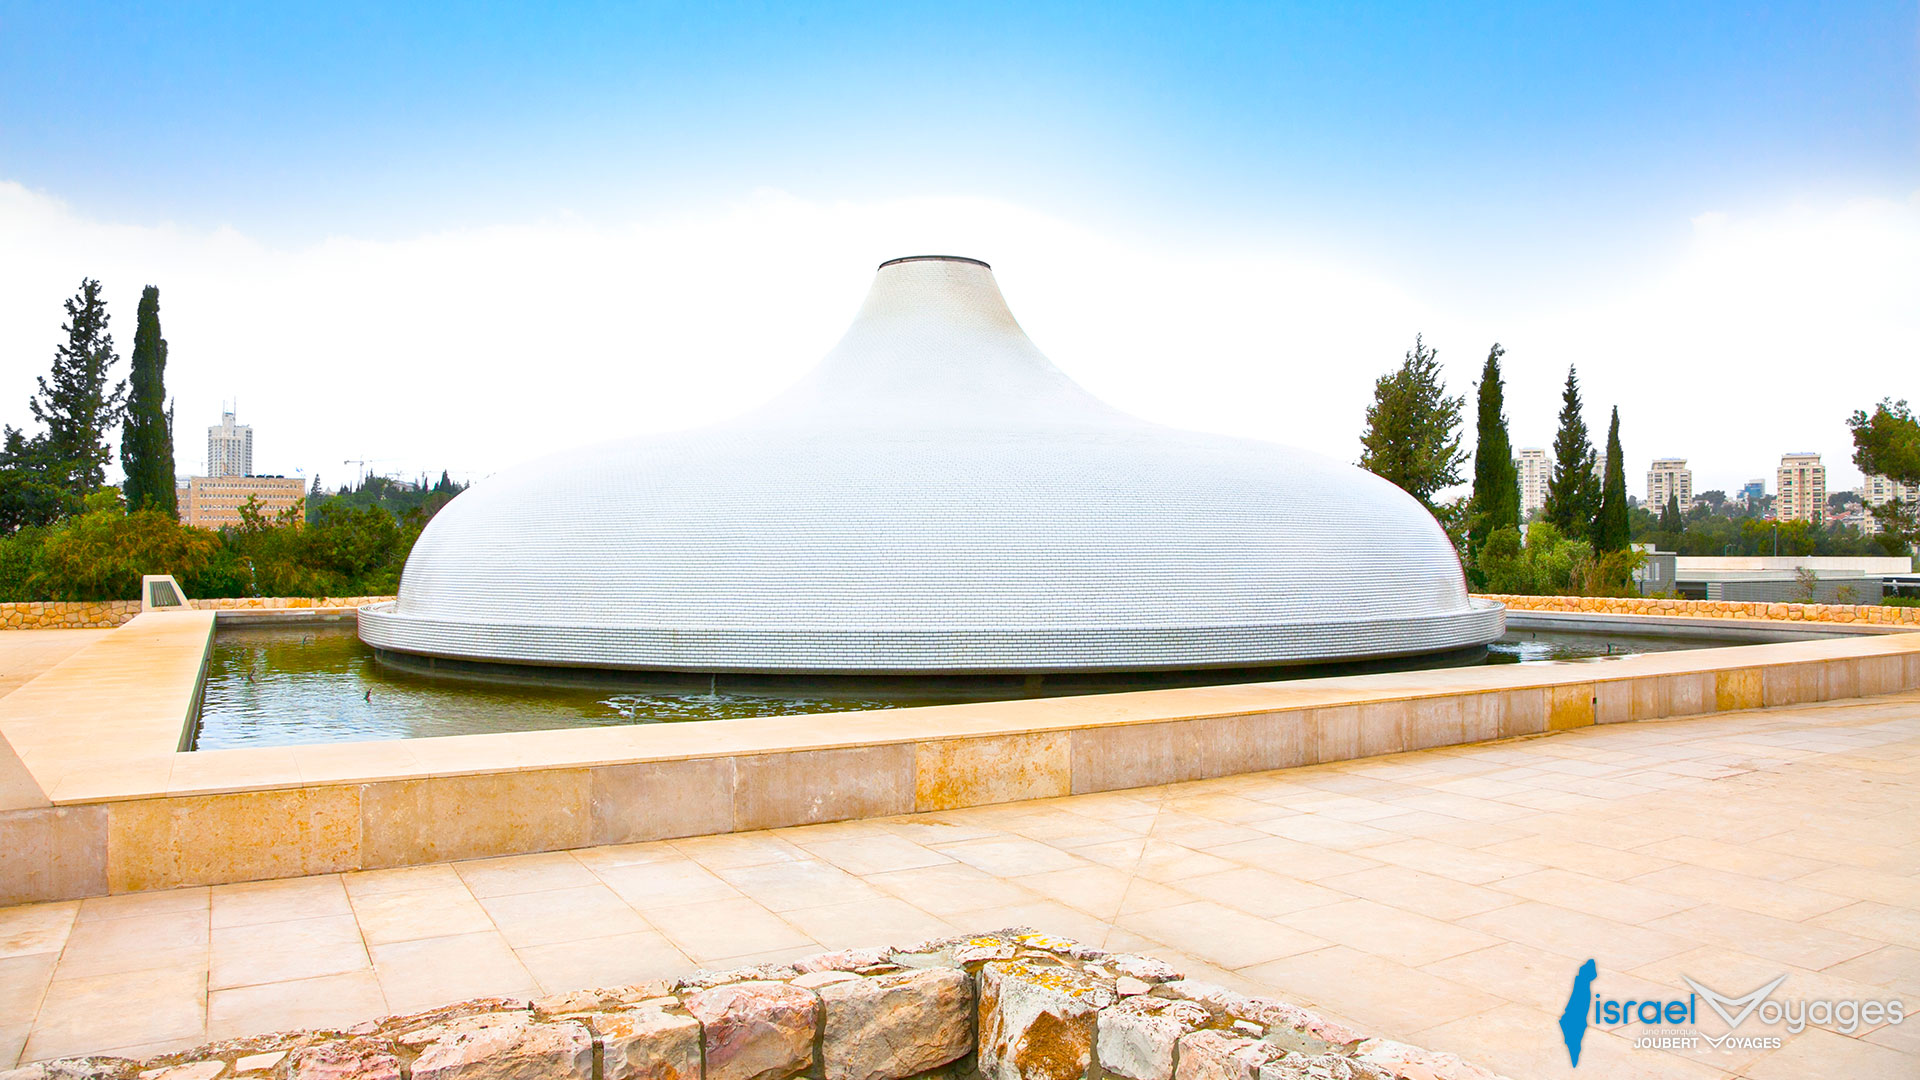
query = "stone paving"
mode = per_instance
[
  {"x": 1444, "y": 897},
  {"x": 30, "y": 652}
]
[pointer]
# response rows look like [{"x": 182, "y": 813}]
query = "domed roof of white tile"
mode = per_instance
[{"x": 935, "y": 497}]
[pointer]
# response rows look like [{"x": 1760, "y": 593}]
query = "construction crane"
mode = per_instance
[{"x": 362, "y": 463}]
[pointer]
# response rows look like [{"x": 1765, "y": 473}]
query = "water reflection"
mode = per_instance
[{"x": 275, "y": 686}]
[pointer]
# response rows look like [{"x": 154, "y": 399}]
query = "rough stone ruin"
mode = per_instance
[{"x": 1007, "y": 1005}]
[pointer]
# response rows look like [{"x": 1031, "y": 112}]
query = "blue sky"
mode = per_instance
[
  {"x": 308, "y": 117},
  {"x": 1496, "y": 159}
]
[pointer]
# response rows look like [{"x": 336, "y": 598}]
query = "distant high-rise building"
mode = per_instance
[
  {"x": 229, "y": 447},
  {"x": 1881, "y": 490},
  {"x": 1800, "y": 489},
  {"x": 1752, "y": 492},
  {"x": 1535, "y": 468},
  {"x": 1669, "y": 478}
]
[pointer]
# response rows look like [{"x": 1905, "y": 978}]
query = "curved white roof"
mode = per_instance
[{"x": 935, "y": 497}]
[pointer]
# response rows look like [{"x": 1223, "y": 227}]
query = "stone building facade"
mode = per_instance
[{"x": 214, "y": 502}]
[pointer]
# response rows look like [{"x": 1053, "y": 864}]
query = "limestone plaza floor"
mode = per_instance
[
  {"x": 30, "y": 652},
  {"x": 1444, "y": 897}
]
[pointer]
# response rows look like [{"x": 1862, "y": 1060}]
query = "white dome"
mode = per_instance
[{"x": 935, "y": 497}]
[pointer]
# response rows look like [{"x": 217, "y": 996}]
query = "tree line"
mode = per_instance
[
  {"x": 66, "y": 534},
  {"x": 1583, "y": 539}
]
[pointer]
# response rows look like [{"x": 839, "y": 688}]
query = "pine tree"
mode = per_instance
[
  {"x": 1886, "y": 442},
  {"x": 1412, "y": 435},
  {"x": 1496, "y": 481},
  {"x": 146, "y": 446},
  {"x": 28, "y": 497},
  {"x": 1573, "y": 497},
  {"x": 76, "y": 405},
  {"x": 1612, "y": 530}
]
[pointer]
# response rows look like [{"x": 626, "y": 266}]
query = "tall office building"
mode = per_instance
[
  {"x": 1669, "y": 478},
  {"x": 1534, "y": 467},
  {"x": 1800, "y": 489},
  {"x": 1752, "y": 492},
  {"x": 1881, "y": 490},
  {"x": 229, "y": 448}
]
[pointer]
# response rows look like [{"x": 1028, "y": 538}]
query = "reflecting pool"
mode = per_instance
[{"x": 282, "y": 685}]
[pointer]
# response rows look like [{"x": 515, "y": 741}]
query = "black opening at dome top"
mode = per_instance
[{"x": 933, "y": 258}]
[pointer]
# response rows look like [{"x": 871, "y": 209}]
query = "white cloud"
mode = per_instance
[
  {"x": 477, "y": 349},
  {"x": 1758, "y": 338}
]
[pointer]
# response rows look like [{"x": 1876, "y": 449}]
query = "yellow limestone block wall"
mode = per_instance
[
  {"x": 103, "y": 614},
  {"x": 1715, "y": 609},
  {"x": 55, "y": 614}
]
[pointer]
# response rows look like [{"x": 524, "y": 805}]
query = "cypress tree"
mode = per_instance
[
  {"x": 76, "y": 405},
  {"x": 1496, "y": 481},
  {"x": 146, "y": 446},
  {"x": 1670, "y": 520},
  {"x": 1611, "y": 528},
  {"x": 1573, "y": 497}
]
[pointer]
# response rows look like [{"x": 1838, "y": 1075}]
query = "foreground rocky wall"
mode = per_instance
[
  {"x": 1009, "y": 1005},
  {"x": 1876, "y": 614},
  {"x": 105, "y": 614}
]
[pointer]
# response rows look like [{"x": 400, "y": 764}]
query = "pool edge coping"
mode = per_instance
[{"x": 526, "y": 791}]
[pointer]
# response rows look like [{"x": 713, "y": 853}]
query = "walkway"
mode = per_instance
[
  {"x": 30, "y": 652},
  {"x": 1444, "y": 897}
]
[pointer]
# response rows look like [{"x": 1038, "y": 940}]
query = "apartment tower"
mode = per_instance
[
  {"x": 1535, "y": 468},
  {"x": 1669, "y": 478},
  {"x": 1881, "y": 490},
  {"x": 229, "y": 447},
  {"x": 1800, "y": 489}
]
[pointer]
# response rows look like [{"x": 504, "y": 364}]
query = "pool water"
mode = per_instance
[{"x": 285, "y": 685}]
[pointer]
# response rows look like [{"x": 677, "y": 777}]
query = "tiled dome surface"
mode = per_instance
[{"x": 935, "y": 497}]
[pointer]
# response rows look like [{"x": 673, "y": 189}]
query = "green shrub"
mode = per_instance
[
  {"x": 102, "y": 553},
  {"x": 1550, "y": 564}
]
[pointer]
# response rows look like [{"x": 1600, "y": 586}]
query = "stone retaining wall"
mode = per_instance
[
  {"x": 1876, "y": 614},
  {"x": 1011, "y": 1005},
  {"x": 61, "y": 614},
  {"x": 105, "y": 614},
  {"x": 66, "y": 615}
]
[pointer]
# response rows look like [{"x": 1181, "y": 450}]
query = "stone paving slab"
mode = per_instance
[
  {"x": 1444, "y": 897},
  {"x": 30, "y": 652}
]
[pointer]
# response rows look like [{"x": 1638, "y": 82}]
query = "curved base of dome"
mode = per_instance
[
  {"x": 838, "y": 651},
  {"x": 915, "y": 688}
]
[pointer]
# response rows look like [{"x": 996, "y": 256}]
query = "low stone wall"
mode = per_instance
[
  {"x": 61, "y": 614},
  {"x": 1877, "y": 614},
  {"x": 105, "y": 614},
  {"x": 66, "y": 615},
  {"x": 249, "y": 603},
  {"x": 1011, "y": 1005}
]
